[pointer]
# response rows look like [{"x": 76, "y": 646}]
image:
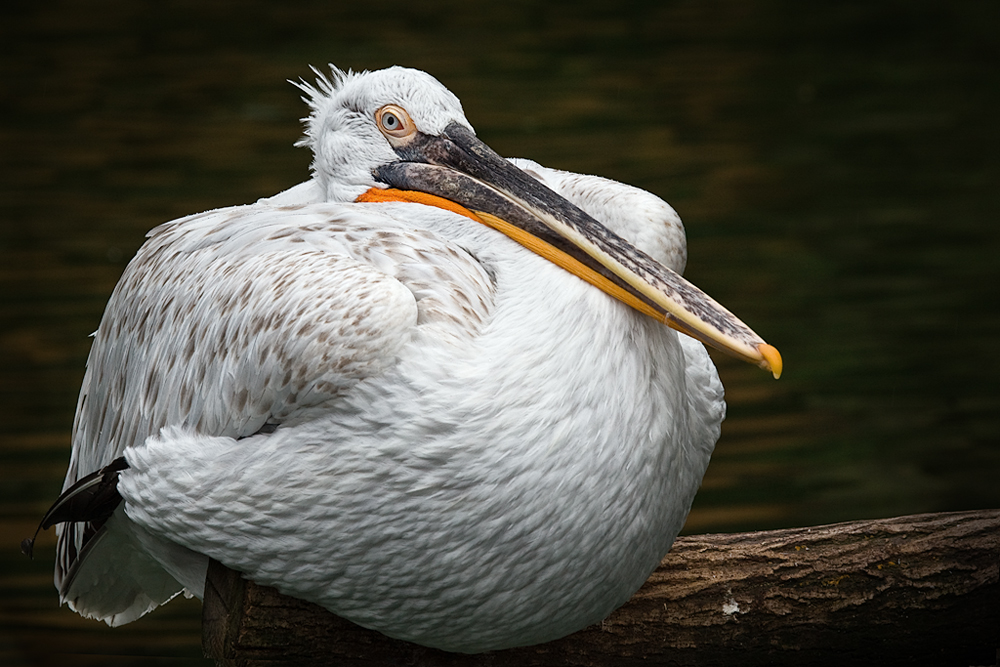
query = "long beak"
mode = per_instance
[{"x": 459, "y": 168}]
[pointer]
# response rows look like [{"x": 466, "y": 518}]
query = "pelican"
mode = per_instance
[{"x": 459, "y": 399}]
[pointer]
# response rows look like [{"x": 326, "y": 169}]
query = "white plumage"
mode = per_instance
[{"x": 388, "y": 408}]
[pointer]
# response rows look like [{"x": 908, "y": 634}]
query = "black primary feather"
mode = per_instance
[{"x": 92, "y": 499}]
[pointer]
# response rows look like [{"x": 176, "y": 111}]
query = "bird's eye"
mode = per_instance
[
  {"x": 394, "y": 122},
  {"x": 389, "y": 121}
]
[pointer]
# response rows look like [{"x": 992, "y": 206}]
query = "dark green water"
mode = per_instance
[{"x": 836, "y": 165}]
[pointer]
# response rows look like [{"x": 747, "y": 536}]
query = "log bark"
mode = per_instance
[{"x": 910, "y": 590}]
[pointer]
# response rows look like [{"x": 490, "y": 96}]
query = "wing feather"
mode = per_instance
[{"x": 231, "y": 320}]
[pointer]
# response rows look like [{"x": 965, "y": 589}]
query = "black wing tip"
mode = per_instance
[
  {"x": 28, "y": 547},
  {"x": 92, "y": 499}
]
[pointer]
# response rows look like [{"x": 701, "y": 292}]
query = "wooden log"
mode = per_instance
[{"x": 910, "y": 590}]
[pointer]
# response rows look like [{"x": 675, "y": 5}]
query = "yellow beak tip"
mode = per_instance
[{"x": 771, "y": 360}]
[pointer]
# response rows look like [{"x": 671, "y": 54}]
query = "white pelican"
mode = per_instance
[{"x": 363, "y": 393}]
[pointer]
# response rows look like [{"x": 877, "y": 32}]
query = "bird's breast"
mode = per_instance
[{"x": 524, "y": 471}]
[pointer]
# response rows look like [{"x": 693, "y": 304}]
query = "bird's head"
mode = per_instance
[
  {"x": 356, "y": 117},
  {"x": 398, "y": 134}
]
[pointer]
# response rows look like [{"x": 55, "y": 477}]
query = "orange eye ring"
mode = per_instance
[{"x": 395, "y": 123}]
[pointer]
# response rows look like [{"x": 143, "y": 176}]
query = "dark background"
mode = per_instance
[{"x": 836, "y": 165}]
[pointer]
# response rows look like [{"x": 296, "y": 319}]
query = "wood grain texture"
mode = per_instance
[{"x": 914, "y": 590}]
